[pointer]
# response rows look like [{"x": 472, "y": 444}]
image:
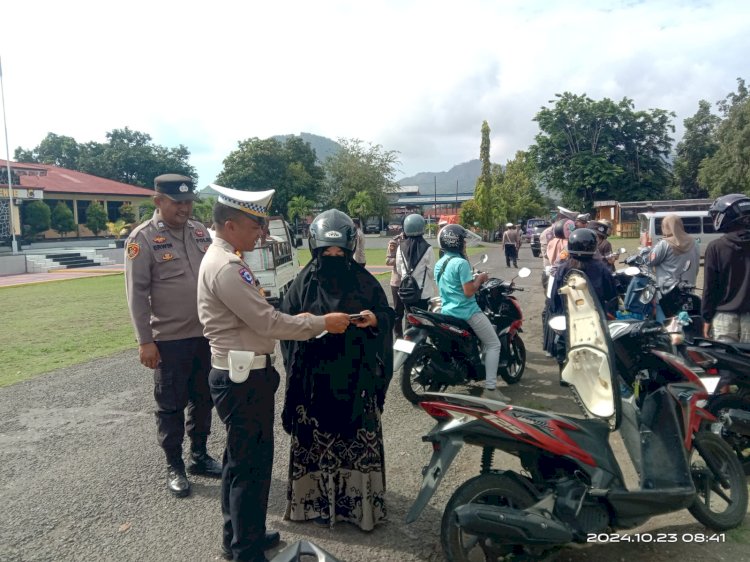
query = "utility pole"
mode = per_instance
[
  {"x": 14, "y": 243},
  {"x": 435, "y": 214},
  {"x": 456, "y": 197}
]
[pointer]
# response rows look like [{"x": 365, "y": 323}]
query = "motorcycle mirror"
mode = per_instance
[
  {"x": 524, "y": 272},
  {"x": 483, "y": 259},
  {"x": 632, "y": 271},
  {"x": 558, "y": 323}
]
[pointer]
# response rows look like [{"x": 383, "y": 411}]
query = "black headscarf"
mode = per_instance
[
  {"x": 337, "y": 371},
  {"x": 413, "y": 248}
]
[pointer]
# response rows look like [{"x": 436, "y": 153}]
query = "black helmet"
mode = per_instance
[
  {"x": 728, "y": 210},
  {"x": 559, "y": 229},
  {"x": 452, "y": 237},
  {"x": 599, "y": 227},
  {"x": 332, "y": 228},
  {"x": 582, "y": 243}
]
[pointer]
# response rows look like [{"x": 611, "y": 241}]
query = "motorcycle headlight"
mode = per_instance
[{"x": 647, "y": 295}]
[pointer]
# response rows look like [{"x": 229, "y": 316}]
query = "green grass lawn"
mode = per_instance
[{"x": 53, "y": 325}]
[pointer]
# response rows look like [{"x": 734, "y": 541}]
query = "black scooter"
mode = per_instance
[
  {"x": 572, "y": 488},
  {"x": 439, "y": 350}
]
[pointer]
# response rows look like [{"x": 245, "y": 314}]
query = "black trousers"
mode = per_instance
[
  {"x": 181, "y": 381},
  {"x": 247, "y": 411},
  {"x": 511, "y": 254},
  {"x": 398, "y": 306}
]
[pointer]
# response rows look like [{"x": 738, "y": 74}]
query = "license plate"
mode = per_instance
[{"x": 404, "y": 345}]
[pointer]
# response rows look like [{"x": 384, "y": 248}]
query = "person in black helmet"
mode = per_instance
[
  {"x": 582, "y": 255},
  {"x": 336, "y": 385},
  {"x": 726, "y": 289},
  {"x": 457, "y": 289}
]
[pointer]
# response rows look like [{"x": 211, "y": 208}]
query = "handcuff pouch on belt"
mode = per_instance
[{"x": 240, "y": 365}]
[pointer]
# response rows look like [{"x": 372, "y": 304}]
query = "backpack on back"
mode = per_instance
[{"x": 409, "y": 290}]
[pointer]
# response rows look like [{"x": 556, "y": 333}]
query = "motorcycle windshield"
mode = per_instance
[{"x": 589, "y": 369}]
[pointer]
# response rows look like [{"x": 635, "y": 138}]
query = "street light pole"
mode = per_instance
[{"x": 14, "y": 243}]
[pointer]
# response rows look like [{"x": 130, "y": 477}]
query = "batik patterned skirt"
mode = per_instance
[{"x": 336, "y": 478}]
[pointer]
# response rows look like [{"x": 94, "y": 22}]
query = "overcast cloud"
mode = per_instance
[{"x": 418, "y": 76}]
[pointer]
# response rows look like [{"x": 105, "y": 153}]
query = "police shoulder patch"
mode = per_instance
[
  {"x": 247, "y": 277},
  {"x": 133, "y": 250}
]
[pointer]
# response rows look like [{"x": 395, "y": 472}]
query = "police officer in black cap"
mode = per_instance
[{"x": 163, "y": 256}]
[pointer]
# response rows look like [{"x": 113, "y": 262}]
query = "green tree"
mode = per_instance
[
  {"x": 299, "y": 206},
  {"x": 203, "y": 210},
  {"x": 145, "y": 210},
  {"x": 96, "y": 218},
  {"x": 728, "y": 169},
  {"x": 699, "y": 142},
  {"x": 127, "y": 213},
  {"x": 483, "y": 191},
  {"x": 36, "y": 218},
  {"x": 361, "y": 206},
  {"x": 588, "y": 150},
  {"x": 128, "y": 156},
  {"x": 357, "y": 167},
  {"x": 57, "y": 150},
  {"x": 468, "y": 214},
  {"x": 290, "y": 168},
  {"x": 516, "y": 193},
  {"x": 62, "y": 219}
]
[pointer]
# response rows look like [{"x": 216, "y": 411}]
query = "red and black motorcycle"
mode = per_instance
[
  {"x": 439, "y": 350},
  {"x": 572, "y": 486}
]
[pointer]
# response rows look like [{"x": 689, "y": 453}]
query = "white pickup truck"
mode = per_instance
[{"x": 274, "y": 262}]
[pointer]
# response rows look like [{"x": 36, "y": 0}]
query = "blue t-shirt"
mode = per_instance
[{"x": 451, "y": 285}]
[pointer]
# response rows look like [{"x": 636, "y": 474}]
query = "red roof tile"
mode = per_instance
[{"x": 60, "y": 180}]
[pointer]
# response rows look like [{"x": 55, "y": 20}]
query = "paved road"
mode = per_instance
[{"x": 82, "y": 478}]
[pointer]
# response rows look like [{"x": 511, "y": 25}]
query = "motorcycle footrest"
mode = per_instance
[{"x": 511, "y": 526}]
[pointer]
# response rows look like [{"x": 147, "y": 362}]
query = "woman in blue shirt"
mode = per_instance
[{"x": 457, "y": 288}]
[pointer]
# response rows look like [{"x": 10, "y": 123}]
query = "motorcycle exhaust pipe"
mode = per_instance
[
  {"x": 509, "y": 525},
  {"x": 737, "y": 421}
]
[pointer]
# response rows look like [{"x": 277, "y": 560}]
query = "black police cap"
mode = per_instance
[{"x": 176, "y": 187}]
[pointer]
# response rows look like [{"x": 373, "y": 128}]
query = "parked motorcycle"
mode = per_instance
[
  {"x": 572, "y": 487},
  {"x": 439, "y": 350},
  {"x": 726, "y": 368}
]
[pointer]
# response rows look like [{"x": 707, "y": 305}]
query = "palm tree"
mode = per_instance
[{"x": 299, "y": 206}]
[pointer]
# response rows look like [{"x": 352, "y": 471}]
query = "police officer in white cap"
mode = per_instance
[
  {"x": 243, "y": 328},
  {"x": 161, "y": 273}
]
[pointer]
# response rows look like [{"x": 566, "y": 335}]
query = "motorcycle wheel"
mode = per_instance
[
  {"x": 738, "y": 442},
  {"x": 412, "y": 384},
  {"x": 516, "y": 361},
  {"x": 717, "y": 507},
  {"x": 491, "y": 489}
]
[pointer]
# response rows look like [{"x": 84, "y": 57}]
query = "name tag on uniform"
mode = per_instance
[{"x": 240, "y": 363}]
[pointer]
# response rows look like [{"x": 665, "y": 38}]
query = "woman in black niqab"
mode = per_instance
[{"x": 335, "y": 391}]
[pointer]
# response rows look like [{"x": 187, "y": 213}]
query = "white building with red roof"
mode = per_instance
[{"x": 76, "y": 189}]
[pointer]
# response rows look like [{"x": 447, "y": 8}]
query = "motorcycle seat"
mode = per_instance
[{"x": 452, "y": 320}]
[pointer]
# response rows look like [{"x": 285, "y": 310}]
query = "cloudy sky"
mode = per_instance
[{"x": 414, "y": 76}]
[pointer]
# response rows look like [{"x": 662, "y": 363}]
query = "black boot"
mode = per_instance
[{"x": 202, "y": 463}]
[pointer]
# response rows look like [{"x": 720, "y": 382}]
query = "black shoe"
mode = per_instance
[
  {"x": 177, "y": 482},
  {"x": 270, "y": 541},
  {"x": 204, "y": 465}
]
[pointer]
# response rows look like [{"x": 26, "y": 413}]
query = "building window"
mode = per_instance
[
  {"x": 113, "y": 209},
  {"x": 82, "y": 206}
]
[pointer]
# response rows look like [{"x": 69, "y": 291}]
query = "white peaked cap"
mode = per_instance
[
  {"x": 256, "y": 203},
  {"x": 567, "y": 213}
]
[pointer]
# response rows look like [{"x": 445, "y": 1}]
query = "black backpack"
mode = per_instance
[{"x": 409, "y": 290}]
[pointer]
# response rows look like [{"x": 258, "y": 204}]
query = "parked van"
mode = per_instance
[{"x": 697, "y": 223}]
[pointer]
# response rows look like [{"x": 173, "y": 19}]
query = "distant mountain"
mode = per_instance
[
  {"x": 323, "y": 147},
  {"x": 465, "y": 174}
]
